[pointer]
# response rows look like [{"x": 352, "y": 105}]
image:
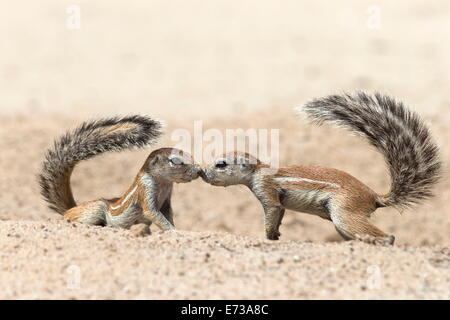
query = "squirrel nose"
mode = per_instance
[{"x": 201, "y": 173}]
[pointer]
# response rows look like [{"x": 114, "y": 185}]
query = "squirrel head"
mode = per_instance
[
  {"x": 230, "y": 169},
  {"x": 173, "y": 165}
]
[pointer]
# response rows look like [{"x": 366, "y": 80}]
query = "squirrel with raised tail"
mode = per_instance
[
  {"x": 146, "y": 201},
  {"x": 398, "y": 133}
]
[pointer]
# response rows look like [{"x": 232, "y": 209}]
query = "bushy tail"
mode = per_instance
[
  {"x": 88, "y": 140},
  {"x": 398, "y": 133}
]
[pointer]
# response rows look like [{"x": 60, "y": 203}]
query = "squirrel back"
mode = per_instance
[
  {"x": 398, "y": 133},
  {"x": 88, "y": 140}
]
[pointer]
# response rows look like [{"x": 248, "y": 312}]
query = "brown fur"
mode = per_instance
[
  {"x": 398, "y": 134},
  {"x": 89, "y": 140},
  {"x": 120, "y": 203},
  {"x": 359, "y": 196},
  {"x": 88, "y": 212},
  {"x": 147, "y": 200},
  {"x": 329, "y": 193}
]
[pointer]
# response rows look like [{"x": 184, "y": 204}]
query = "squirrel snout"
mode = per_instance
[
  {"x": 197, "y": 171},
  {"x": 201, "y": 173}
]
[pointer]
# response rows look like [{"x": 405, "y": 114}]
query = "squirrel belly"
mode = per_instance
[{"x": 310, "y": 189}]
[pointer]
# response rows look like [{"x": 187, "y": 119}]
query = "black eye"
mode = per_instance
[
  {"x": 176, "y": 161},
  {"x": 221, "y": 164}
]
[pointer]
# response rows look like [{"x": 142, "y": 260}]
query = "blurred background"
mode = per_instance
[{"x": 232, "y": 65}]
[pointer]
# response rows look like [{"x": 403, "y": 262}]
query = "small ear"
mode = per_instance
[
  {"x": 154, "y": 161},
  {"x": 246, "y": 166}
]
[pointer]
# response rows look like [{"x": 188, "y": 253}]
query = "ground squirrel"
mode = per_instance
[
  {"x": 399, "y": 134},
  {"x": 148, "y": 198}
]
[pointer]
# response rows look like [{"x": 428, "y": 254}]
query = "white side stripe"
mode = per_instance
[
  {"x": 306, "y": 180},
  {"x": 126, "y": 198}
]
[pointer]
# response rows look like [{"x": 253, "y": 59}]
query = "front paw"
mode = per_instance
[{"x": 273, "y": 235}]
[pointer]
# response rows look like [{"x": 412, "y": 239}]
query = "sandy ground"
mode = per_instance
[{"x": 232, "y": 66}]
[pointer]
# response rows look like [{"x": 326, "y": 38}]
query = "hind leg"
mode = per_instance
[
  {"x": 92, "y": 213},
  {"x": 357, "y": 226}
]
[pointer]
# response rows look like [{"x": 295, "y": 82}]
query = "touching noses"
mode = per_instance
[{"x": 201, "y": 172}]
